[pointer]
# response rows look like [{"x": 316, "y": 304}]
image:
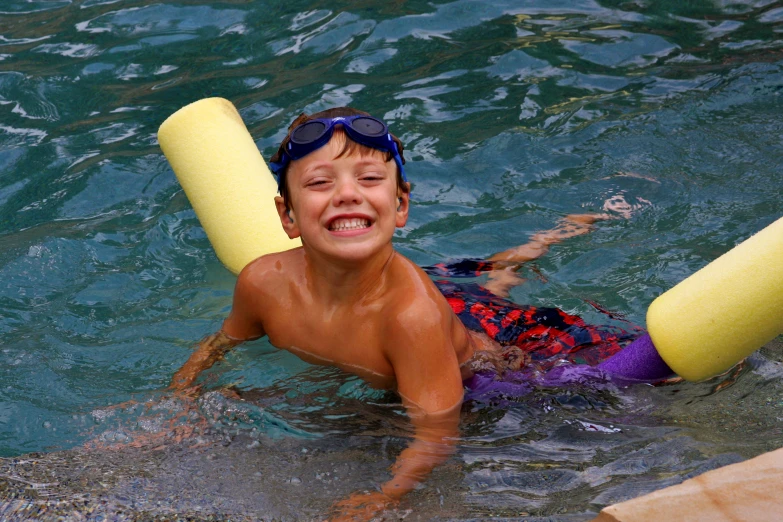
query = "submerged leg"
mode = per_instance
[{"x": 504, "y": 277}]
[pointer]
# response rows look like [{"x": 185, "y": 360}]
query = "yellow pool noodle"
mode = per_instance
[
  {"x": 226, "y": 180},
  {"x": 725, "y": 311}
]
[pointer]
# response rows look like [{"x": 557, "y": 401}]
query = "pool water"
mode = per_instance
[{"x": 513, "y": 114}]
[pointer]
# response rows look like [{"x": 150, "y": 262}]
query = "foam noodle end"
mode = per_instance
[
  {"x": 226, "y": 180},
  {"x": 725, "y": 311}
]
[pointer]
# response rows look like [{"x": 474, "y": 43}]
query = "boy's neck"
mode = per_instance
[{"x": 340, "y": 282}]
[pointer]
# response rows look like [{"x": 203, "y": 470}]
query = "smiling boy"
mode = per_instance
[{"x": 358, "y": 304}]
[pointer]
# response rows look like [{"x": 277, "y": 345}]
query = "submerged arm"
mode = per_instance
[
  {"x": 434, "y": 438},
  {"x": 210, "y": 350},
  {"x": 428, "y": 380},
  {"x": 430, "y": 384},
  {"x": 241, "y": 324}
]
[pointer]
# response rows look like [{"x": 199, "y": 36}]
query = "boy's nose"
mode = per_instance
[{"x": 347, "y": 192}]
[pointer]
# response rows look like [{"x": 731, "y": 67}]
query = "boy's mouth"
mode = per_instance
[{"x": 343, "y": 224}]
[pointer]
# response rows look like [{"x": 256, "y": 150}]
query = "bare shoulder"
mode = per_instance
[
  {"x": 259, "y": 289},
  {"x": 415, "y": 304},
  {"x": 268, "y": 274}
]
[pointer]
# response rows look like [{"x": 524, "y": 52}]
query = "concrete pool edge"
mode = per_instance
[{"x": 748, "y": 490}]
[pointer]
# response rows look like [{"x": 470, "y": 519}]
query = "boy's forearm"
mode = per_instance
[
  {"x": 211, "y": 349},
  {"x": 434, "y": 442},
  {"x": 412, "y": 467},
  {"x": 415, "y": 464}
]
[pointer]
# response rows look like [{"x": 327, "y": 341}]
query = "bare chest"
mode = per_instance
[{"x": 349, "y": 342}]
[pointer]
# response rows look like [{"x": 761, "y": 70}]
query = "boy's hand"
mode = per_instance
[
  {"x": 361, "y": 506},
  {"x": 188, "y": 393},
  {"x": 210, "y": 350}
]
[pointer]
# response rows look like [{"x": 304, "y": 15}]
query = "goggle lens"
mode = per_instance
[
  {"x": 308, "y": 132},
  {"x": 369, "y": 126}
]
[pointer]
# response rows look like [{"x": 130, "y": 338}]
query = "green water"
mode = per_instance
[{"x": 513, "y": 114}]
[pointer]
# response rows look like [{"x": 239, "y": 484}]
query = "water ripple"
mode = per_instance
[
  {"x": 21, "y": 7},
  {"x": 622, "y": 48},
  {"x": 162, "y": 19},
  {"x": 28, "y": 96}
]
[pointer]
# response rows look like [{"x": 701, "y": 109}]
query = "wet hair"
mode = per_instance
[{"x": 349, "y": 147}]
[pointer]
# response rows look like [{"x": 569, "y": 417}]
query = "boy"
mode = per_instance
[{"x": 367, "y": 309}]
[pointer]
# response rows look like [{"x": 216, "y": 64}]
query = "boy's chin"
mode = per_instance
[
  {"x": 357, "y": 254},
  {"x": 350, "y": 251}
]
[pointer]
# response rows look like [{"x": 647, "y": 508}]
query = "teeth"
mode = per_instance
[{"x": 349, "y": 224}]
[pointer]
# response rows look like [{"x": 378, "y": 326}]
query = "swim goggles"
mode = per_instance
[{"x": 314, "y": 134}]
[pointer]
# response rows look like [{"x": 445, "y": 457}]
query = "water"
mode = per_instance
[{"x": 513, "y": 114}]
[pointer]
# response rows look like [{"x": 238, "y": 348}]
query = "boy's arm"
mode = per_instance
[
  {"x": 242, "y": 324},
  {"x": 419, "y": 347},
  {"x": 429, "y": 382}
]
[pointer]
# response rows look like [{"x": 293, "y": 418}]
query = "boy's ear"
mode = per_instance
[
  {"x": 403, "y": 205},
  {"x": 287, "y": 218}
]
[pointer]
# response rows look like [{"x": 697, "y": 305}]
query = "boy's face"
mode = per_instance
[{"x": 346, "y": 208}]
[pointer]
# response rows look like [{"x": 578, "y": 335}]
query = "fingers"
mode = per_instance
[
  {"x": 190, "y": 392},
  {"x": 183, "y": 379},
  {"x": 360, "y": 506}
]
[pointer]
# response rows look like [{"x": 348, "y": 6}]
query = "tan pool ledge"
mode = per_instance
[{"x": 746, "y": 491}]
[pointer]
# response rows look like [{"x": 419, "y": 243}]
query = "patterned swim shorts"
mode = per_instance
[{"x": 547, "y": 335}]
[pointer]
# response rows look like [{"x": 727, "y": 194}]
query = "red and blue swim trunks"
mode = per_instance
[{"x": 548, "y": 335}]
